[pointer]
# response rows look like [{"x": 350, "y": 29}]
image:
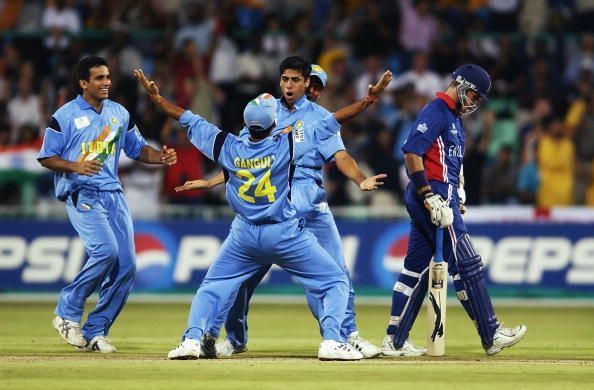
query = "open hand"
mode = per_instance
[
  {"x": 380, "y": 86},
  {"x": 88, "y": 167},
  {"x": 372, "y": 183},
  {"x": 149, "y": 86},
  {"x": 193, "y": 185}
]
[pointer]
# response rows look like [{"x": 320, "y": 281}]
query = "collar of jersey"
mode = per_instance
[
  {"x": 299, "y": 104},
  {"x": 448, "y": 100},
  {"x": 83, "y": 104}
]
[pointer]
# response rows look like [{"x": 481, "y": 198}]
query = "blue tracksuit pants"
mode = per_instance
[{"x": 104, "y": 224}]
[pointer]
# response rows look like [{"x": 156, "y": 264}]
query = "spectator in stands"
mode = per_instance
[
  {"x": 556, "y": 156},
  {"x": 499, "y": 178},
  {"x": 24, "y": 109},
  {"x": 425, "y": 81},
  {"x": 584, "y": 149},
  {"x": 60, "y": 19},
  {"x": 198, "y": 28},
  {"x": 418, "y": 27}
]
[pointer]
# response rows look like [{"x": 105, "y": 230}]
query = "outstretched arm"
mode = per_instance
[
  {"x": 201, "y": 184},
  {"x": 348, "y": 166},
  {"x": 151, "y": 88},
  {"x": 373, "y": 93}
]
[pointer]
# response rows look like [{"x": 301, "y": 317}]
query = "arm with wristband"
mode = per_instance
[{"x": 440, "y": 213}]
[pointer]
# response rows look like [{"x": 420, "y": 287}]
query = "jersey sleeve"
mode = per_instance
[
  {"x": 426, "y": 129},
  {"x": 133, "y": 140},
  {"x": 53, "y": 140},
  {"x": 327, "y": 136},
  {"x": 208, "y": 138}
]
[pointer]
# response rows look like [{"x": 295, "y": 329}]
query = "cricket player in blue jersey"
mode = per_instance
[
  {"x": 259, "y": 171},
  {"x": 434, "y": 151},
  {"x": 297, "y": 80},
  {"x": 82, "y": 144}
]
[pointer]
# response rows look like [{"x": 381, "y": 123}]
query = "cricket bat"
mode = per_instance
[{"x": 436, "y": 309}]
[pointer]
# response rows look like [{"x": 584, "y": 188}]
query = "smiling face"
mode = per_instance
[
  {"x": 293, "y": 85},
  {"x": 96, "y": 89}
]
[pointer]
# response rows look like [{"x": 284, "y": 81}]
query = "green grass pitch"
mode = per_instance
[{"x": 557, "y": 353}]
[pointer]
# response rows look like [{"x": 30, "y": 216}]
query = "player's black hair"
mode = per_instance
[
  {"x": 258, "y": 133},
  {"x": 297, "y": 63},
  {"x": 83, "y": 70}
]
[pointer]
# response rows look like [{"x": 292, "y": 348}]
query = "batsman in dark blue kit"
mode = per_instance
[{"x": 434, "y": 151}]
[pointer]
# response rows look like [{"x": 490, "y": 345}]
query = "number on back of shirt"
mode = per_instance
[{"x": 263, "y": 187}]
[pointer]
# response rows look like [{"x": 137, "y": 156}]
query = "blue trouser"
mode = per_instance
[
  {"x": 103, "y": 222},
  {"x": 310, "y": 204},
  {"x": 248, "y": 250},
  {"x": 411, "y": 286}
]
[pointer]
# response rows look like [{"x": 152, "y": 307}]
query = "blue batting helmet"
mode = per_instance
[{"x": 474, "y": 77}]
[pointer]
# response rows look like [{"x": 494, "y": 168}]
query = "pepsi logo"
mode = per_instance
[
  {"x": 394, "y": 257},
  {"x": 389, "y": 253},
  {"x": 155, "y": 249}
]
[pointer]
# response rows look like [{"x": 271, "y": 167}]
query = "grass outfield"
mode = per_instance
[{"x": 557, "y": 353}]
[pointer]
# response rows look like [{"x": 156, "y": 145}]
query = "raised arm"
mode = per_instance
[
  {"x": 153, "y": 92},
  {"x": 348, "y": 167},
  {"x": 373, "y": 93}
]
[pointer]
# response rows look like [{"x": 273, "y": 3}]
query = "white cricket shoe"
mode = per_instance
[
  {"x": 98, "y": 344},
  {"x": 333, "y": 350},
  {"x": 226, "y": 349},
  {"x": 70, "y": 331},
  {"x": 367, "y": 349},
  {"x": 209, "y": 350},
  {"x": 506, "y": 337},
  {"x": 408, "y": 349},
  {"x": 189, "y": 349}
]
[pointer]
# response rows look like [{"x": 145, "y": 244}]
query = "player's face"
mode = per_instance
[
  {"x": 469, "y": 102},
  {"x": 315, "y": 89},
  {"x": 97, "y": 88},
  {"x": 293, "y": 85}
]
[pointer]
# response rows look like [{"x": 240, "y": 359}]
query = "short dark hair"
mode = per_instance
[
  {"x": 85, "y": 65},
  {"x": 297, "y": 63}
]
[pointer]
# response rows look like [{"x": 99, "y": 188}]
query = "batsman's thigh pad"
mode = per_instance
[
  {"x": 409, "y": 314},
  {"x": 472, "y": 274}
]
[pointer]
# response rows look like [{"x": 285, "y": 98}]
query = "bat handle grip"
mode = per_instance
[{"x": 439, "y": 244}]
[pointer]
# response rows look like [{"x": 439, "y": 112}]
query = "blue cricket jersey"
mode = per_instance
[
  {"x": 313, "y": 154},
  {"x": 258, "y": 173},
  {"x": 438, "y": 136},
  {"x": 77, "y": 132}
]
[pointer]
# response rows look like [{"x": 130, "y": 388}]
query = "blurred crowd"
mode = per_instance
[{"x": 533, "y": 143}]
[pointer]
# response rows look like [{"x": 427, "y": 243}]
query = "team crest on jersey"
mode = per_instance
[
  {"x": 454, "y": 129},
  {"x": 298, "y": 132},
  {"x": 113, "y": 120},
  {"x": 422, "y": 127}
]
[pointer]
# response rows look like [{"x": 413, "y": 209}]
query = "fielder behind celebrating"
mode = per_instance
[{"x": 433, "y": 156}]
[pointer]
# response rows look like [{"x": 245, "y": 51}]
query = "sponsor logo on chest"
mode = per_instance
[{"x": 81, "y": 122}]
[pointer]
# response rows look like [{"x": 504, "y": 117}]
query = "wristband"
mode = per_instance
[
  {"x": 419, "y": 179},
  {"x": 370, "y": 99}
]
